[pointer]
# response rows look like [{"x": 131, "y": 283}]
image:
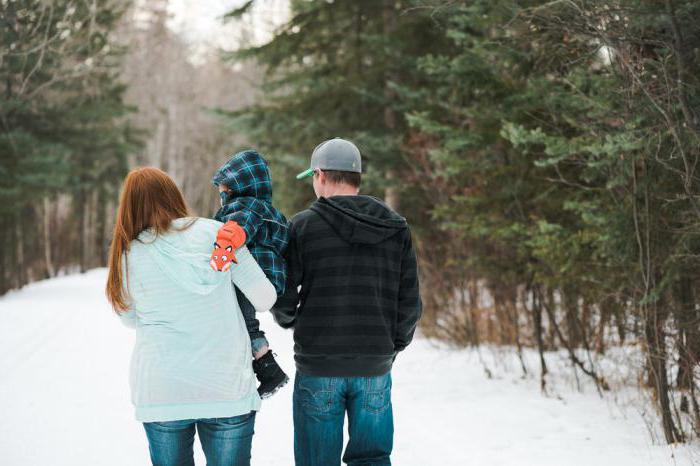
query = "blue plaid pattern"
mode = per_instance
[{"x": 249, "y": 203}]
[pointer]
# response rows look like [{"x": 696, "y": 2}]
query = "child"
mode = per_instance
[{"x": 246, "y": 209}]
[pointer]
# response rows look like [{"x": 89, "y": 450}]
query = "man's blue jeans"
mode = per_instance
[
  {"x": 225, "y": 441},
  {"x": 320, "y": 404}
]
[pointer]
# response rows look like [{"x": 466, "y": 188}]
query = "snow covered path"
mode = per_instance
[{"x": 64, "y": 399}]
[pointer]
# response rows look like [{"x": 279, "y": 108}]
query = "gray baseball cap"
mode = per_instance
[{"x": 334, "y": 154}]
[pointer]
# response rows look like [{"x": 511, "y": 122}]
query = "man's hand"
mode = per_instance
[{"x": 229, "y": 238}]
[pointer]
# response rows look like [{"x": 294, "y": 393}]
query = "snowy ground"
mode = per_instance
[{"x": 64, "y": 399}]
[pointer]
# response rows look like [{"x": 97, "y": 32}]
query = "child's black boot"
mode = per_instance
[{"x": 269, "y": 374}]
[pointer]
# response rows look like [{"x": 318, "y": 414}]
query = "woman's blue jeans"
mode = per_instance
[
  {"x": 320, "y": 404},
  {"x": 225, "y": 441}
]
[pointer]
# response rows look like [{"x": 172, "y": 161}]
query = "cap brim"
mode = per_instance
[{"x": 305, "y": 174}]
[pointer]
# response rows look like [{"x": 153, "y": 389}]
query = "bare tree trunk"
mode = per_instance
[
  {"x": 619, "y": 314},
  {"x": 603, "y": 323},
  {"x": 4, "y": 285},
  {"x": 571, "y": 305},
  {"x": 107, "y": 227},
  {"x": 172, "y": 151},
  {"x": 93, "y": 254},
  {"x": 680, "y": 55},
  {"x": 21, "y": 265},
  {"x": 600, "y": 382},
  {"x": 656, "y": 353},
  {"x": 537, "y": 318},
  {"x": 391, "y": 194},
  {"x": 652, "y": 316},
  {"x": 686, "y": 321},
  {"x": 511, "y": 309},
  {"x": 50, "y": 272},
  {"x": 82, "y": 209}
]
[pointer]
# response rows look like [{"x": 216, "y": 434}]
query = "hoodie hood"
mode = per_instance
[
  {"x": 360, "y": 219},
  {"x": 183, "y": 254},
  {"x": 246, "y": 174}
]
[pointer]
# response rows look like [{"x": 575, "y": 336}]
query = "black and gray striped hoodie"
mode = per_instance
[{"x": 352, "y": 292}]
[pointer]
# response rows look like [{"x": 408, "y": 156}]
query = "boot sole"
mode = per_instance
[{"x": 276, "y": 389}]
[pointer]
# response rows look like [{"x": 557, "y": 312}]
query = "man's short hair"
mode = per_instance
[{"x": 342, "y": 177}]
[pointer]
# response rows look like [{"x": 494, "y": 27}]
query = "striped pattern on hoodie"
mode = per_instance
[{"x": 352, "y": 293}]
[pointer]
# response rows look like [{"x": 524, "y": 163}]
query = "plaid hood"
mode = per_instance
[
  {"x": 246, "y": 175},
  {"x": 249, "y": 203}
]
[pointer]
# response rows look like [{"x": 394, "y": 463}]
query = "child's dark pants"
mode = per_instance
[{"x": 257, "y": 336}]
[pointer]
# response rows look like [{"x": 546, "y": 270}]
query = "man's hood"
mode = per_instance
[
  {"x": 184, "y": 255},
  {"x": 360, "y": 219},
  {"x": 246, "y": 174}
]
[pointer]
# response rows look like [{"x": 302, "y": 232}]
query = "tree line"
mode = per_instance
[
  {"x": 88, "y": 90},
  {"x": 545, "y": 153},
  {"x": 64, "y": 136}
]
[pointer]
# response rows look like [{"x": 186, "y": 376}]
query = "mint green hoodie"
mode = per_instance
[{"x": 192, "y": 354}]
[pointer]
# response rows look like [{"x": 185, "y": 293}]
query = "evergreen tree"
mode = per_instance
[
  {"x": 63, "y": 136},
  {"x": 331, "y": 72},
  {"x": 569, "y": 173}
]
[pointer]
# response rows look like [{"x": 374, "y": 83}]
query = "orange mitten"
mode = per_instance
[{"x": 229, "y": 238}]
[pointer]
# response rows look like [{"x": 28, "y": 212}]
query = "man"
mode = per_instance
[{"x": 352, "y": 298}]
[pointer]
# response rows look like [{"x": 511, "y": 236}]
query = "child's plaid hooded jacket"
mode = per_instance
[{"x": 249, "y": 203}]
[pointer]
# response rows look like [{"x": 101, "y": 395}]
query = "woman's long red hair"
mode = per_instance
[{"x": 149, "y": 199}]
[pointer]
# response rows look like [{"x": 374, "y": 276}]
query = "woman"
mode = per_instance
[{"x": 191, "y": 364}]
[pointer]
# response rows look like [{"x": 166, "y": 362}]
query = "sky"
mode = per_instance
[{"x": 199, "y": 21}]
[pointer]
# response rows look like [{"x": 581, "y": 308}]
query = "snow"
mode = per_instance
[{"x": 64, "y": 399}]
